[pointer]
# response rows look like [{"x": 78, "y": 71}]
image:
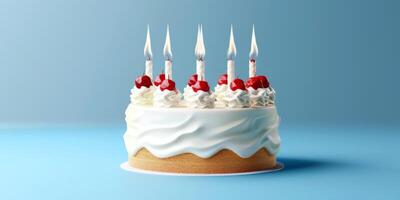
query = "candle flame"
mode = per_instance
[
  {"x": 232, "y": 48},
  {"x": 197, "y": 39},
  {"x": 200, "y": 50},
  {"x": 147, "y": 46},
  {"x": 167, "y": 46},
  {"x": 253, "y": 49}
]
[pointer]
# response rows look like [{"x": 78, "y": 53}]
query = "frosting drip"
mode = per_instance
[
  {"x": 199, "y": 99},
  {"x": 142, "y": 95},
  {"x": 261, "y": 96},
  {"x": 203, "y": 132},
  {"x": 236, "y": 99},
  {"x": 166, "y": 98}
]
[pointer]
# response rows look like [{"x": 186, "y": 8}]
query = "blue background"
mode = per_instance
[
  {"x": 75, "y": 61},
  {"x": 66, "y": 68},
  {"x": 83, "y": 163}
]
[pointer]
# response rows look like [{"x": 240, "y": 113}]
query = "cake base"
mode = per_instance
[
  {"x": 225, "y": 161},
  {"x": 125, "y": 166}
]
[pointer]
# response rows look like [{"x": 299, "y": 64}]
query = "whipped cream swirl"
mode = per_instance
[
  {"x": 236, "y": 99},
  {"x": 199, "y": 99},
  {"x": 261, "y": 96},
  {"x": 219, "y": 94},
  {"x": 166, "y": 98},
  {"x": 142, "y": 95}
]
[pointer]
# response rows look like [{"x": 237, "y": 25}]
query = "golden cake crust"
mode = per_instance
[{"x": 225, "y": 161}]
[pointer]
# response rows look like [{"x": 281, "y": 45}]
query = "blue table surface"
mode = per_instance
[{"x": 84, "y": 163}]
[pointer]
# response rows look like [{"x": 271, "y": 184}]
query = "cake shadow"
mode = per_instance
[{"x": 297, "y": 164}]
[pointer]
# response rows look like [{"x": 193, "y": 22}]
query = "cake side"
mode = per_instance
[
  {"x": 203, "y": 132},
  {"x": 224, "y": 161}
]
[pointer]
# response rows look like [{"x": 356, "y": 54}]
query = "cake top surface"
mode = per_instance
[{"x": 215, "y": 109}]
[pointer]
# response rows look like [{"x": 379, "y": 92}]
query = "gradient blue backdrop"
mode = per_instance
[
  {"x": 333, "y": 64},
  {"x": 74, "y": 61}
]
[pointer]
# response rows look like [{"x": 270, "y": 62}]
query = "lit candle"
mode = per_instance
[
  {"x": 168, "y": 56},
  {"x": 148, "y": 55},
  {"x": 231, "y": 56},
  {"x": 200, "y": 53},
  {"x": 253, "y": 55}
]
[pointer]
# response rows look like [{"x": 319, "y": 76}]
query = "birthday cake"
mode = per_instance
[{"x": 233, "y": 129}]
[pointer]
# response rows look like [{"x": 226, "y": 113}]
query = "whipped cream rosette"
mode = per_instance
[
  {"x": 166, "y": 98},
  {"x": 258, "y": 97},
  {"x": 142, "y": 92},
  {"x": 197, "y": 94},
  {"x": 236, "y": 99},
  {"x": 167, "y": 95},
  {"x": 220, "y": 90},
  {"x": 236, "y": 96},
  {"x": 261, "y": 94},
  {"x": 142, "y": 96},
  {"x": 199, "y": 99},
  {"x": 271, "y": 95},
  {"x": 219, "y": 94}
]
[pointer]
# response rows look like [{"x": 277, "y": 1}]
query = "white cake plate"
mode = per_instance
[{"x": 127, "y": 167}]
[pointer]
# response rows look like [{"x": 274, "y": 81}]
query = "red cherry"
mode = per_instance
[
  {"x": 254, "y": 82},
  {"x": 237, "y": 84},
  {"x": 192, "y": 80},
  {"x": 143, "y": 81},
  {"x": 167, "y": 84},
  {"x": 223, "y": 79},
  {"x": 264, "y": 81},
  {"x": 159, "y": 79},
  {"x": 201, "y": 85}
]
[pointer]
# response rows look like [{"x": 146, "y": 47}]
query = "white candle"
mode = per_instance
[
  {"x": 253, "y": 55},
  {"x": 200, "y": 53},
  {"x": 168, "y": 69},
  {"x": 168, "y": 56},
  {"x": 231, "y": 71},
  {"x": 252, "y": 68},
  {"x": 200, "y": 65},
  {"x": 148, "y": 55},
  {"x": 230, "y": 57}
]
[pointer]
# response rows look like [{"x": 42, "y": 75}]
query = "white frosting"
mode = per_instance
[
  {"x": 236, "y": 99},
  {"x": 204, "y": 132},
  {"x": 261, "y": 96},
  {"x": 166, "y": 98},
  {"x": 271, "y": 94},
  {"x": 142, "y": 95},
  {"x": 199, "y": 99},
  {"x": 186, "y": 90},
  {"x": 219, "y": 94}
]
